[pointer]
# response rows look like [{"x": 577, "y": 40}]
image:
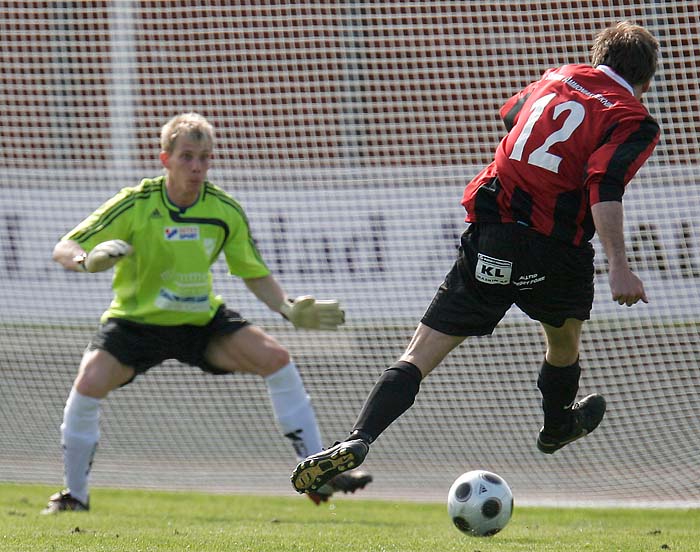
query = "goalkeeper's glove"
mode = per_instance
[
  {"x": 308, "y": 313},
  {"x": 104, "y": 255}
]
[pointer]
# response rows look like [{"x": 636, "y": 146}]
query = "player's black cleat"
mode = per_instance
[
  {"x": 585, "y": 417},
  {"x": 63, "y": 501},
  {"x": 347, "y": 482},
  {"x": 320, "y": 468}
]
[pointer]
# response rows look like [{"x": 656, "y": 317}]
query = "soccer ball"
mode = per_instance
[{"x": 480, "y": 503}]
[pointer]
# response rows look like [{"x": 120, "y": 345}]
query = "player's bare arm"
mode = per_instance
[
  {"x": 267, "y": 290},
  {"x": 625, "y": 286},
  {"x": 66, "y": 253}
]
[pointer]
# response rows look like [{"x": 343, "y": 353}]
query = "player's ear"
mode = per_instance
[{"x": 165, "y": 159}]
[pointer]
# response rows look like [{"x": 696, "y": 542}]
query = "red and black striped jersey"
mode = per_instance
[{"x": 576, "y": 137}]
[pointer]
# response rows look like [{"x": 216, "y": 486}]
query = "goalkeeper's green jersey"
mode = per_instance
[{"x": 167, "y": 281}]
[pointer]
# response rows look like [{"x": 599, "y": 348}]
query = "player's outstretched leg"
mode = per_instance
[
  {"x": 585, "y": 417},
  {"x": 315, "y": 471}
]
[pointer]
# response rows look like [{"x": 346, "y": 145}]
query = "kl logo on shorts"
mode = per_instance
[{"x": 493, "y": 271}]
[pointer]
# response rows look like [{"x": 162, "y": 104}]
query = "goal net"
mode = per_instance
[{"x": 347, "y": 130}]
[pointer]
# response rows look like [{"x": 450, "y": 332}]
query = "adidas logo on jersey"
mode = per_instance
[{"x": 156, "y": 213}]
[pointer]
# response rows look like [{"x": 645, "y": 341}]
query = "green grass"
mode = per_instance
[{"x": 140, "y": 521}]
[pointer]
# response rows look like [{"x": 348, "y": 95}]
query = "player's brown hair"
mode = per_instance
[
  {"x": 190, "y": 124},
  {"x": 629, "y": 49}
]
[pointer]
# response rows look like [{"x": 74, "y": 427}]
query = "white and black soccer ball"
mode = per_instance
[{"x": 480, "y": 503}]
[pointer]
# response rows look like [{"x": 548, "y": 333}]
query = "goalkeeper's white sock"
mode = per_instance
[
  {"x": 80, "y": 433},
  {"x": 293, "y": 410}
]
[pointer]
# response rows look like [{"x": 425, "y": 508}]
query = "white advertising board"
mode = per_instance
[{"x": 381, "y": 243}]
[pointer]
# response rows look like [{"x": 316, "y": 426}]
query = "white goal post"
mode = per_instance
[{"x": 347, "y": 130}]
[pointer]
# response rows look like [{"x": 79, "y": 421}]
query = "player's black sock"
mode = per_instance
[
  {"x": 558, "y": 385},
  {"x": 393, "y": 394}
]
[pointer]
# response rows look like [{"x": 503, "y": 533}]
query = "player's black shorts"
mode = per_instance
[
  {"x": 500, "y": 265},
  {"x": 142, "y": 346}
]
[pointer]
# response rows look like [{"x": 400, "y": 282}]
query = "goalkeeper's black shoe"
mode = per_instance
[
  {"x": 63, "y": 501},
  {"x": 347, "y": 482},
  {"x": 320, "y": 468},
  {"x": 585, "y": 417}
]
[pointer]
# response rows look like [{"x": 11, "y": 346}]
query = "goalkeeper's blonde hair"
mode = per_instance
[{"x": 191, "y": 124}]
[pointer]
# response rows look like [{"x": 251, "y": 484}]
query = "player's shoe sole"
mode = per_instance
[
  {"x": 318, "y": 469},
  {"x": 587, "y": 415}
]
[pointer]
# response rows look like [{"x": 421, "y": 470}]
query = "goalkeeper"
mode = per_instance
[{"x": 162, "y": 237}]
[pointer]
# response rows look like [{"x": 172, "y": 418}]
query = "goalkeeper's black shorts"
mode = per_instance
[
  {"x": 500, "y": 265},
  {"x": 143, "y": 346}
]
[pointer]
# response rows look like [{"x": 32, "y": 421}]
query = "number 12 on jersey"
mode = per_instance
[{"x": 574, "y": 114}]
